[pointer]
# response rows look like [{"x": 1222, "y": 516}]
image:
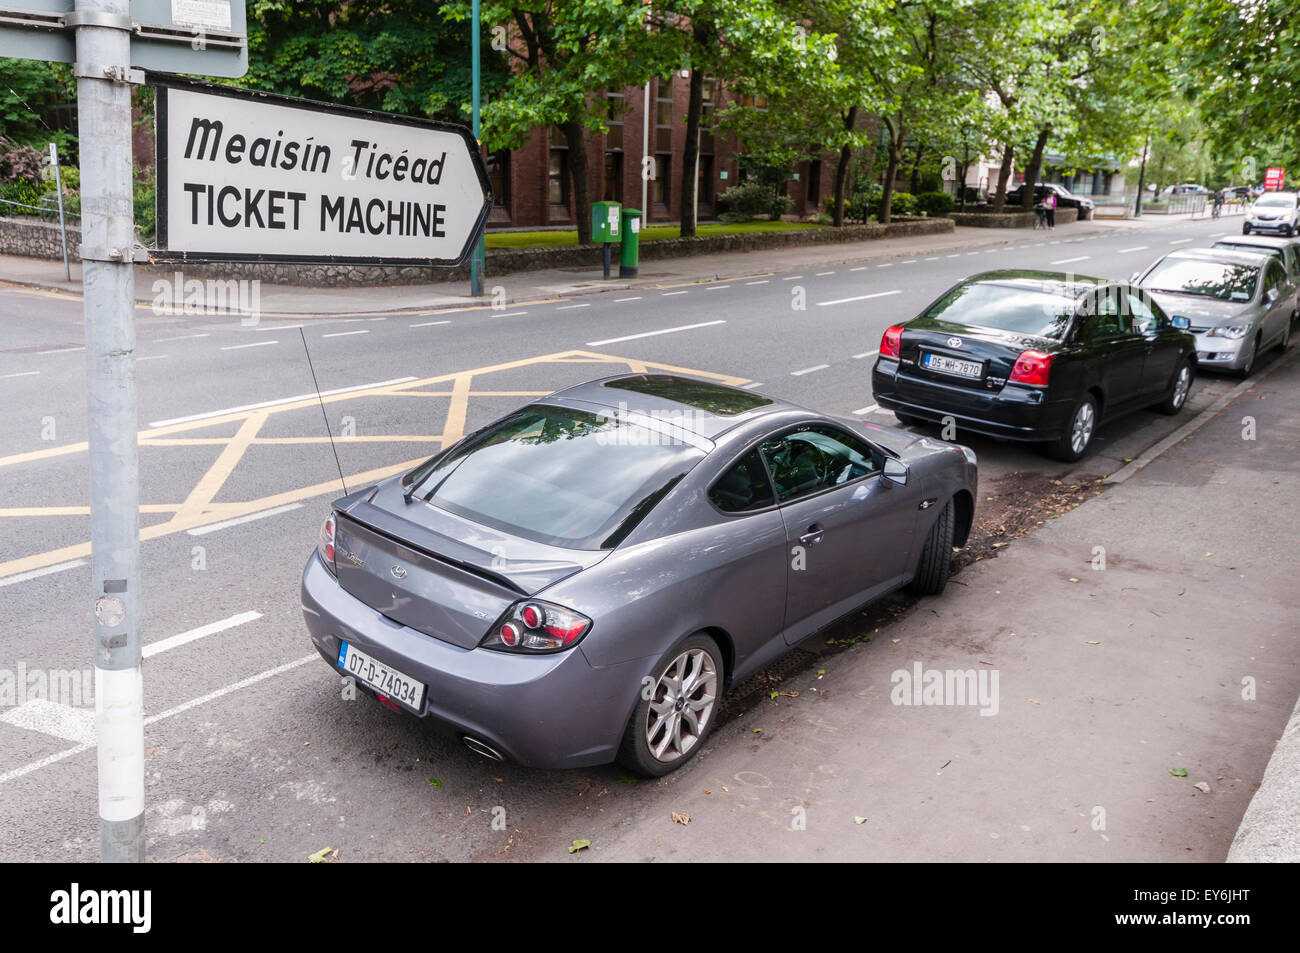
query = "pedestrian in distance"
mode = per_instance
[{"x": 1049, "y": 207}]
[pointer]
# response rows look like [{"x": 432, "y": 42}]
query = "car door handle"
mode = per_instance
[{"x": 813, "y": 536}]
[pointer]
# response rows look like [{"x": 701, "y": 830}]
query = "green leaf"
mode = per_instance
[
  {"x": 321, "y": 856},
  {"x": 435, "y": 782},
  {"x": 1178, "y": 772},
  {"x": 578, "y": 845}
]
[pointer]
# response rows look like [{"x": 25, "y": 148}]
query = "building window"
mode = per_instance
[
  {"x": 498, "y": 169},
  {"x": 614, "y": 111},
  {"x": 613, "y": 177},
  {"x": 705, "y": 193},
  {"x": 660, "y": 193},
  {"x": 558, "y": 180},
  {"x": 814, "y": 182},
  {"x": 664, "y": 116}
]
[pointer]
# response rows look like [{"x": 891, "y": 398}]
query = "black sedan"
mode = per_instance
[{"x": 1035, "y": 356}]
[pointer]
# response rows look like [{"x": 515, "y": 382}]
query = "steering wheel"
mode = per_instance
[{"x": 803, "y": 458}]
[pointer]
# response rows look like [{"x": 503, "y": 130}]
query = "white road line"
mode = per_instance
[
  {"x": 933, "y": 258},
  {"x": 275, "y": 403},
  {"x": 193, "y": 635},
  {"x": 570, "y": 307},
  {"x": 669, "y": 294},
  {"x": 867, "y": 410},
  {"x": 638, "y": 297},
  {"x": 1039, "y": 244},
  {"x": 809, "y": 370},
  {"x": 429, "y": 324},
  {"x": 792, "y": 278},
  {"x": 1125, "y": 251},
  {"x": 61, "y": 350},
  {"x": 716, "y": 287},
  {"x": 763, "y": 282},
  {"x": 1182, "y": 241},
  {"x": 53, "y": 718},
  {"x": 888, "y": 264},
  {"x": 910, "y": 261},
  {"x": 58, "y": 567},
  {"x": 751, "y": 385},
  {"x": 183, "y": 337},
  {"x": 279, "y": 327},
  {"x": 224, "y": 524},
  {"x": 858, "y": 357},
  {"x": 19, "y": 374},
  {"x": 240, "y": 347},
  {"x": 151, "y": 357},
  {"x": 1066, "y": 261},
  {"x": 992, "y": 251},
  {"x": 861, "y": 268},
  {"x": 954, "y": 256},
  {"x": 169, "y": 713},
  {"x": 969, "y": 253},
  {"x": 649, "y": 334},
  {"x": 343, "y": 334},
  {"x": 823, "y": 274},
  {"x": 1221, "y": 235},
  {"x": 878, "y": 294}
]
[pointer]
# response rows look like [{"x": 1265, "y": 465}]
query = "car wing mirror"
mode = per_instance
[
  {"x": 1270, "y": 296},
  {"x": 1181, "y": 322},
  {"x": 895, "y": 471}
]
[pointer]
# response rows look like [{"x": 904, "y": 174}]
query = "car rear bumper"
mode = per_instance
[
  {"x": 548, "y": 711},
  {"x": 1014, "y": 412}
]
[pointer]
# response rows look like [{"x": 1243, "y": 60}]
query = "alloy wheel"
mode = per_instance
[
  {"x": 682, "y": 705},
  {"x": 1182, "y": 386},
  {"x": 1081, "y": 428}
]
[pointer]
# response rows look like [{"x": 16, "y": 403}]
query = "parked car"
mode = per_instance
[
  {"x": 583, "y": 579},
  {"x": 1237, "y": 304},
  {"x": 1064, "y": 198},
  {"x": 1035, "y": 356},
  {"x": 1185, "y": 188},
  {"x": 1285, "y": 250},
  {"x": 1273, "y": 212}
]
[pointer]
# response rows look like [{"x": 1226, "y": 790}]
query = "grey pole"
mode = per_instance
[
  {"x": 63, "y": 226},
  {"x": 477, "y": 257},
  {"x": 107, "y": 235}
]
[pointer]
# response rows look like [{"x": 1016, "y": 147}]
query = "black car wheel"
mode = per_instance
[
  {"x": 1075, "y": 440},
  {"x": 1245, "y": 229},
  {"x": 1286, "y": 336},
  {"x": 1179, "y": 389},
  {"x": 932, "y": 571},
  {"x": 1248, "y": 368},
  {"x": 678, "y": 705}
]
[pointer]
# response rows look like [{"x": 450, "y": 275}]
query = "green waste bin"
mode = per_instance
[{"x": 630, "y": 256}]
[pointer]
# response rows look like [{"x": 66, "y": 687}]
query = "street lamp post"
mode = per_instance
[{"x": 476, "y": 262}]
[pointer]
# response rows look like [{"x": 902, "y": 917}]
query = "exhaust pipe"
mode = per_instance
[{"x": 483, "y": 748}]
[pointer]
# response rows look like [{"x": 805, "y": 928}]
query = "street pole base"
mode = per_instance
[
  {"x": 625, "y": 272},
  {"x": 122, "y": 842}
]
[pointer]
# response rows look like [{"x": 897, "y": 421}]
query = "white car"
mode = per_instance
[{"x": 1274, "y": 212}]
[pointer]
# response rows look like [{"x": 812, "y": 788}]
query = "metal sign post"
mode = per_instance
[
  {"x": 63, "y": 225},
  {"x": 103, "y": 46}
]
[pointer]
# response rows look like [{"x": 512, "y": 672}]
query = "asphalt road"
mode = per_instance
[{"x": 252, "y": 754}]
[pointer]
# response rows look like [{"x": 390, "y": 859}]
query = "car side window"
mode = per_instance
[
  {"x": 817, "y": 457},
  {"x": 1145, "y": 319},
  {"x": 744, "y": 487},
  {"x": 1273, "y": 276},
  {"x": 1109, "y": 318}
]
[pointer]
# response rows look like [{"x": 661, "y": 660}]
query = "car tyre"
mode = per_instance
[
  {"x": 932, "y": 570},
  {"x": 1076, "y": 438},
  {"x": 1249, "y": 367},
  {"x": 1245, "y": 229},
  {"x": 688, "y": 679},
  {"x": 1282, "y": 345},
  {"x": 1179, "y": 389}
]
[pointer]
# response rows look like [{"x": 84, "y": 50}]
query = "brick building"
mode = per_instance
[{"x": 532, "y": 189}]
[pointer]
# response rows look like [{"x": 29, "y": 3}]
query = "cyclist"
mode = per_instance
[{"x": 1218, "y": 203}]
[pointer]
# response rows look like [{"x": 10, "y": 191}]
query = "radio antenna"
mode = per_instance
[{"x": 324, "y": 416}]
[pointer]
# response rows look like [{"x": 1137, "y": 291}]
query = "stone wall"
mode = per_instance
[
  {"x": 1064, "y": 216},
  {"x": 38, "y": 240}
]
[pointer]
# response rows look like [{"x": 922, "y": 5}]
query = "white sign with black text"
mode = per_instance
[{"x": 249, "y": 177}]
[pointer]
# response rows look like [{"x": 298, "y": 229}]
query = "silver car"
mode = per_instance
[
  {"x": 1274, "y": 212},
  {"x": 1285, "y": 250},
  {"x": 582, "y": 580},
  {"x": 1237, "y": 304}
]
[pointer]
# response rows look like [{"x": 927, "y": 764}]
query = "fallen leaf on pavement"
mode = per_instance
[
  {"x": 323, "y": 856},
  {"x": 682, "y": 819},
  {"x": 578, "y": 845}
]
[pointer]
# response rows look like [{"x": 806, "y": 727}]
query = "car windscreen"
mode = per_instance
[
  {"x": 557, "y": 476},
  {"x": 1006, "y": 307},
  {"x": 1210, "y": 279},
  {"x": 1269, "y": 201}
]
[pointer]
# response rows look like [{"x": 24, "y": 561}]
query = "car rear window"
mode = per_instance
[
  {"x": 1006, "y": 307},
  {"x": 557, "y": 476},
  {"x": 1209, "y": 279}
]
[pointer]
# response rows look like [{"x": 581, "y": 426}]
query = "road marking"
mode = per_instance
[
  {"x": 279, "y": 327},
  {"x": 969, "y": 253},
  {"x": 809, "y": 370},
  {"x": 61, "y": 350},
  {"x": 861, "y": 268},
  {"x": 763, "y": 282},
  {"x": 823, "y": 274},
  {"x": 24, "y": 576},
  {"x": 19, "y": 374},
  {"x": 570, "y": 307},
  {"x": 992, "y": 251},
  {"x": 343, "y": 334},
  {"x": 1039, "y": 244},
  {"x": 430, "y": 324},
  {"x": 193, "y": 635},
  {"x": 878, "y": 294},
  {"x": 1182, "y": 241},
  {"x": 867, "y": 410},
  {"x": 213, "y": 527},
  {"x": 716, "y": 287},
  {"x": 933, "y": 258},
  {"x": 53, "y": 718},
  {"x": 152, "y": 357},
  {"x": 275, "y": 403},
  {"x": 888, "y": 264},
  {"x": 792, "y": 278},
  {"x": 669, "y": 294},
  {"x": 169, "y": 713},
  {"x": 751, "y": 385},
  {"x": 954, "y": 256},
  {"x": 638, "y": 297},
  {"x": 649, "y": 334},
  {"x": 1066, "y": 261},
  {"x": 859, "y": 357},
  {"x": 1221, "y": 235},
  {"x": 240, "y": 347},
  {"x": 910, "y": 261},
  {"x": 1125, "y": 251},
  {"x": 183, "y": 337}
]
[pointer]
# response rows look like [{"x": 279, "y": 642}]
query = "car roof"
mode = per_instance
[
  {"x": 695, "y": 404},
  {"x": 1061, "y": 283},
  {"x": 1263, "y": 241},
  {"x": 1224, "y": 256}
]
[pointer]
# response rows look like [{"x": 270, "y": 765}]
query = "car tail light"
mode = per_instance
[
  {"x": 892, "y": 341},
  {"x": 1032, "y": 367},
  {"x": 533, "y": 627},
  {"x": 326, "y": 544}
]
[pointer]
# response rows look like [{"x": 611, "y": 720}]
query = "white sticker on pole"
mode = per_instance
[{"x": 207, "y": 14}]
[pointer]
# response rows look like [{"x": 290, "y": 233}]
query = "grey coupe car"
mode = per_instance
[
  {"x": 580, "y": 581},
  {"x": 1237, "y": 304}
]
